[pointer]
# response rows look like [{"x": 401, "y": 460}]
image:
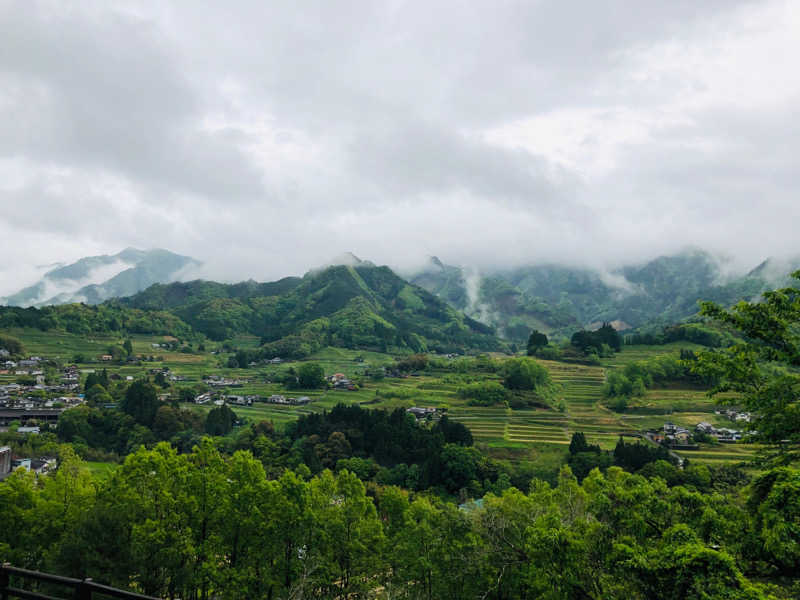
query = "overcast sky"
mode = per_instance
[{"x": 267, "y": 137}]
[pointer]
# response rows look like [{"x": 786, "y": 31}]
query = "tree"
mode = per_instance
[
  {"x": 141, "y": 402},
  {"x": 762, "y": 366},
  {"x": 128, "y": 346},
  {"x": 167, "y": 422},
  {"x": 11, "y": 344},
  {"x": 98, "y": 395},
  {"x": 220, "y": 420},
  {"x": 310, "y": 375},
  {"x": 536, "y": 341},
  {"x": 524, "y": 374}
]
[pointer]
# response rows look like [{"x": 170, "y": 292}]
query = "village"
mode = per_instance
[{"x": 682, "y": 438}]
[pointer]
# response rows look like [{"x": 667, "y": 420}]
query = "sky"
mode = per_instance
[{"x": 265, "y": 138}]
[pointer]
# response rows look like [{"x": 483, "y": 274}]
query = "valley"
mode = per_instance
[{"x": 521, "y": 436}]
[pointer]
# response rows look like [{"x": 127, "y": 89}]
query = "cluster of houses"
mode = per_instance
[
  {"x": 281, "y": 399},
  {"x": 16, "y": 395},
  {"x": 220, "y": 381},
  {"x": 8, "y": 464},
  {"x": 168, "y": 375},
  {"x": 735, "y": 415},
  {"x": 721, "y": 434},
  {"x": 240, "y": 400},
  {"x": 339, "y": 381},
  {"x": 422, "y": 412},
  {"x": 26, "y": 366},
  {"x": 675, "y": 436}
]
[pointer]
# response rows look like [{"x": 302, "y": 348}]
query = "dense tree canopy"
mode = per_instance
[
  {"x": 202, "y": 525},
  {"x": 763, "y": 367},
  {"x": 536, "y": 341},
  {"x": 524, "y": 374},
  {"x": 141, "y": 402}
]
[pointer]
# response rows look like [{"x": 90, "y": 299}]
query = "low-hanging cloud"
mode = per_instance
[{"x": 264, "y": 139}]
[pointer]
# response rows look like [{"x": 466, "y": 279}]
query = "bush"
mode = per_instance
[
  {"x": 310, "y": 375},
  {"x": 485, "y": 393},
  {"x": 524, "y": 374}
]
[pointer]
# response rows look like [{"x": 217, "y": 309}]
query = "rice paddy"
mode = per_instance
[{"x": 499, "y": 431}]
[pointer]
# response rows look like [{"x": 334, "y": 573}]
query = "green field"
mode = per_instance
[{"x": 529, "y": 435}]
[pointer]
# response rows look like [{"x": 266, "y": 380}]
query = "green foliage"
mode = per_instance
[
  {"x": 361, "y": 307},
  {"x": 98, "y": 396},
  {"x": 220, "y": 420},
  {"x": 415, "y": 362},
  {"x": 775, "y": 503},
  {"x": 634, "y": 380},
  {"x": 762, "y": 367},
  {"x": 600, "y": 341},
  {"x": 484, "y": 393},
  {"x": 201, "y": 524},
  {"x": 12, "y": 345},
  {"x": 141, "y": 402},
  {"x": 536, "y": 342},
  {"x": 705, "y": 334},
  {"x": 524, "y": 374},
  {"x": 109, "y": 318},
  {"x": 310, "y": 375}
]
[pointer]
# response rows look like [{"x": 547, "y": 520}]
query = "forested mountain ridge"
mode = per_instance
[
  {"x": 552, "y": 297},
  {"x": 351, "y": 306}
]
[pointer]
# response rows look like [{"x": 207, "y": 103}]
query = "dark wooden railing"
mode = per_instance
[{"x": 76, "y": 589}]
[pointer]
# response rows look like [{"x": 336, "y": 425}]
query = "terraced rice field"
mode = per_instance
[{"x": 581, "y": 390}]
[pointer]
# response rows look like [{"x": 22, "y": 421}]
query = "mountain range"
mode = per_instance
[
  {"x": 94, "y": 279},
  {"x": 353, "y": 302},
  {"x": 361, "y": 306},
  {"x": 558, "y": 299}
]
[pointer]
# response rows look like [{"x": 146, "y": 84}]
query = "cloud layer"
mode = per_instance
[{"x": 265, "y": 138}]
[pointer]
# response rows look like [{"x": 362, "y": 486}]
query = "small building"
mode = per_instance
[
  {"x": 421, "y": 412},
  {"x": 202, "y": 399}
]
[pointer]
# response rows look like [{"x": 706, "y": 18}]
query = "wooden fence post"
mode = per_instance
[
  {"x": 84, "y": 591},
  {"x": 4, "y": 581}
]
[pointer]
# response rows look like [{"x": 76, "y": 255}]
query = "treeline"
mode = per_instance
[
  {"x": 698, "y": 333},
  {"x": 601, "y": 342},
  {"x": 393, "y": 448},
  {"x": 637, "y": 377},
  {"x": 11, "y": 345},
  {"x": 101, "y": 319},
  {"x": 524, "y": 383},
  {"x": 583, "y": 457},
  {"x": 388, "y": 447},
  {"x": 202, "y": 525}
]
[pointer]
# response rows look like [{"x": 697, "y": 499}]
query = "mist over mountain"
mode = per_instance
[
  {"x": 354, "y": 305},
  {"x": 372, "y": 306},
  {"x": 93, "y": 279},
  {"x": 557, "y": 298}
]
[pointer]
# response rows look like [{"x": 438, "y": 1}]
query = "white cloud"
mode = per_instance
[{"x": 264, "y": 139}]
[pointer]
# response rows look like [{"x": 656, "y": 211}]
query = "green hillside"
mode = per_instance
[
  {"x": 359, "y": 306},
  {"x": 556, "y": 299}
]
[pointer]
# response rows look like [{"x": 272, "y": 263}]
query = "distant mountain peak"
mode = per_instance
[
  {"x": 93, "y": 279},
  {"x": 347, "y": 259},
  {"x": 434, "y": 260}
]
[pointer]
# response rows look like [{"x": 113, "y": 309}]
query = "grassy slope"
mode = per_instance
[{"x": 536, "y": 435}]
